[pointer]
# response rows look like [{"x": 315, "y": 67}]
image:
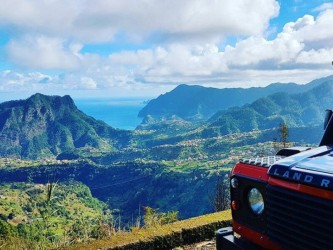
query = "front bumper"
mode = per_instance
[{"x": 225, "y": 240}]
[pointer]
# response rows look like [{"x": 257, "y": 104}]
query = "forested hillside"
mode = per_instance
[
  {"x": 297, "y": 110},
  {"x": 44, "y": 126},
  {"x": 196, "y": 103}
]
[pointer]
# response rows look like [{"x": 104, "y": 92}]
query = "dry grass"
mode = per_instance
[{"x": 164, "y": 237}]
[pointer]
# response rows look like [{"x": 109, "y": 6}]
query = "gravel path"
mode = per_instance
[{"x": 206, "y": 245}]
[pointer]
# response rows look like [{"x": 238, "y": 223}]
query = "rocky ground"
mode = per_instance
[{"x": 206, "y": 245}]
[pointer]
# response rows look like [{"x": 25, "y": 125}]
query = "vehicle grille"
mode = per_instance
[{"x": 299, "y": 221}]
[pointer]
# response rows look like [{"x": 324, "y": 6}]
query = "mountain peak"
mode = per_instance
[
  {"x": 45, "y": 125},
  {"x": 41, "y": 99},
  {"x": 180, "y": 86}
]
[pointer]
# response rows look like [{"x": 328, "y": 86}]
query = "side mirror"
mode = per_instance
[{"x": 328, "y": 116}]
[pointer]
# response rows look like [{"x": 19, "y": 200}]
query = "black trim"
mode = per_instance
[
  {"x": 327, "y": 138},
  {"x": 299, "y": 221},
  {"x": 291, "y": 151},
  {"x": 225, "y": 240},
  {"x": 244, "y": 215}
]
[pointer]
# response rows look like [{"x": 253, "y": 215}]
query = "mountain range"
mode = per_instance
[
  {"x": 297, "y": 110},
  {"x": 197, "y": 103},
  {"x": 43, "y": 126}
]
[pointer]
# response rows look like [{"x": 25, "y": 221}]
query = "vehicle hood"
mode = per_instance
[{"x": 313, "y": 167}]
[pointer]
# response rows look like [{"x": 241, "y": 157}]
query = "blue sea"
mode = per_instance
[{"x": 120, "y": 113}]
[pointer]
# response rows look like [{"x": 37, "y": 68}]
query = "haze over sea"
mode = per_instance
[{"x": 119, "y": 113}]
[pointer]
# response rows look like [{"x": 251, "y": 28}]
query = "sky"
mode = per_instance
[{"x": 130, "y": 48}]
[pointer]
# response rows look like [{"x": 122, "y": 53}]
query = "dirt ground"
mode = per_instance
[{"x": 206, "y": 245}]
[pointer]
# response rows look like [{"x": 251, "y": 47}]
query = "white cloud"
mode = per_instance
[
  {"x": 88, "y": 83},
  {"x": 100, "y": 20},
  {"x": 317, "y": 57},
  {"x": 172, "y": 60},
  {"x": 317, "y": 31},
  {"x": 306, "y": 41},
  {"x": 301, "y": 52},
  {"x": 296, "y": 49},
  {"x": 50, "y": 34},
  {"x": 324, "y": 6},
  {"x": 32, "y": 82},
  {"x": 44, "y": 53}
]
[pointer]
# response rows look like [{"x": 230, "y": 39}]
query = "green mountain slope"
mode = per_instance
[
  {"x": 37, "y": 219},
  {"x": 197, "y": 102},
  {"x": 297, "y": 110},
  {"x": 48, "y": 125},
  {"x": 130, "y": 186}
]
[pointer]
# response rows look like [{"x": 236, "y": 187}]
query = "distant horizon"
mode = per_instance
[
  {"x": 82, "y": 96},
  {"x": 118, "y": 113}
]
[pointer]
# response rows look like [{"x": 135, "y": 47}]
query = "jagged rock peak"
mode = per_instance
[{"x": 57, "y": 100}]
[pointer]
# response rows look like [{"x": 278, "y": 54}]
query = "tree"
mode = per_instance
[
  {"x": 47, "y": 210},
  {"x": 275, "y": 145},
  {"x": 6, "y": 229},
  {"x": 284, "y": 134},
  {"x": 153, "y": 218},
  {"x": 221, "y": 197}
]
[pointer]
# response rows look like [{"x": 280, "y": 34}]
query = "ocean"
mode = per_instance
[{"x": 119, "y": 113}]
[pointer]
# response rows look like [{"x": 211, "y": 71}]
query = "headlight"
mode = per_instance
[
  {"x": 234, "y": 182},
  {"x": 256, "y": 201}
]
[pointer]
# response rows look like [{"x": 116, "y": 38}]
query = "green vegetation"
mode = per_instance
[
  {"x": 59, "y": 215},
  {"x": 297, "y": 110},
  {"x": 49, "y": 215},
  {"x": 284, "y": 134},
  {"x": 175, "y": 161},
  {"x": 221, "y": 197},
  {"x": 167, "y": 176},
  {"x": 166, "y": 236},
  {"x": 197, "y": 103},
  {"x": 153, "y": 218},
  {"x": 45, "y": 126},
  {"x": 129, "y": 186}
]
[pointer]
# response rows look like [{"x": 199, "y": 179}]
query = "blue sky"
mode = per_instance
[{"x": 112, "y": 48}]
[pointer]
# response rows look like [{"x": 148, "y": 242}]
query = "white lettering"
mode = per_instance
[
  {"x": 324, "y": 183},
  {"x": 286, "y": 174},
  {"x": 297, "y": 176},
  {"x": 275, "y": 172},
  {"x": 308, "y": 178}
]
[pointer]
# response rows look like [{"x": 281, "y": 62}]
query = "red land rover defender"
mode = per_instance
[{"x": 284, "y": 201}]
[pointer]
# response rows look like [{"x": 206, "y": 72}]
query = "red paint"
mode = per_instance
[
  {"x": 255, "y": 237},
  {"x": 301, "y": 188},
  {"x": 251, "y": 171},
  {"x": 260, "y": 173}
]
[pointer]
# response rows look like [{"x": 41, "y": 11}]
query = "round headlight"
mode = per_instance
[
  {"x": 234, "y": 182},
  {"x": 256, "y": 201}
]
